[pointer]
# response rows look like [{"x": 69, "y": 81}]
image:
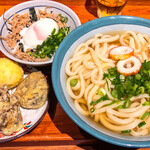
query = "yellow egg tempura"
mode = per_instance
[{"x": 11, "y": 74}]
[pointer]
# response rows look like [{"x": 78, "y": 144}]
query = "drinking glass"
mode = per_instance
[{"x": 109, "y": 7}]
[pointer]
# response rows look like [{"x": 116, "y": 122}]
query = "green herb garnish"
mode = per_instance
[
  {"x": 145, "y": 115},
  {"x": 137, "y": 76},
  {"x": 101, "y": 91},
  {"x": 127, "y": 103},
  {"x": 63, "y": 19},
  {"x": 141, "y": 124},
  {"x": 50, "y": 45},
  {"x": 147, "y": 103},
  {"x": 119, "y": 107},
  {"x": 103, "y": 98},
  {"x": 126, "y": 131},
  {"x": 107, "y": 85},
  {"x": 132, "y": 85},
  {"x": 73, "y": 82},
  {"x": 111, "y": 103},
  {"x": 35, "y": 55},
  {"x": 29, "y": 53},
  {"x": 92, "y": 110},
  {"x": 146, "y": 65}
]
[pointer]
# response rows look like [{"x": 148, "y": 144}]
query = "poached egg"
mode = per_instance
[{"x": 37, "y": 32}]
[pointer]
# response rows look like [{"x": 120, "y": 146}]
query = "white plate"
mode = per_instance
[{"x": 31, "y": 117}]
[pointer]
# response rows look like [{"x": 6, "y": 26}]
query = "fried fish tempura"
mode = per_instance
[
  {"x": 10, "y": 118},
  {"x": 32, "y": 91}
]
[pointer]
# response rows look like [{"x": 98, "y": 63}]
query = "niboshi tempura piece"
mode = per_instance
[{"x": 32, "y": 92}]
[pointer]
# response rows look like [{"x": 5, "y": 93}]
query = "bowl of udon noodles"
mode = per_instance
[{"x": 101, "y": 77}]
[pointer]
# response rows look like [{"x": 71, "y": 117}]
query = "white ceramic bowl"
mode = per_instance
[
  {"x": 65, "y": 51},
  {"x": 58, "y": 8}
]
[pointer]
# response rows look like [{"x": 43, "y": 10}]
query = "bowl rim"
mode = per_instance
[
  {"x": 41, "y": 3},
  {"x": 56, "y": 65}
]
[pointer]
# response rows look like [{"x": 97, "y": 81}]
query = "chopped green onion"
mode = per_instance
[
  {"x": 101, "y": 91},
  {"x": 53, "y": 32},
  {"x": 34, "y": 55},
  {"x": 63, "y": 19},
  {"x": 147, "y": 65},
  {"x": 73, "y": 82},
  {"x": 122, "y": 78},
  {"x": 137, "y": 76},
  {"x": 42, "y": 56},
  {"x": 111, "y": 103},
  {"x": 114, "y": 93},
  {"x": 141, "y": 124},
  {"x": 147, "y": 84},
  {"x": 141, "y": 90},
  {"x": 129, "y": 86},
  {"x": 146, "y": 103},
  {"x": 117, "y": 101},
  {"x": 29, "y": 53},
  {"x": 50, "y": 45},
  {"x": 103, "y": 98},
  {"x": 119, "y": 107},
  {"x": 145, "y": 72},
  {"x": 126, "y": 131},
  {"x": 127, "y": 103},
  {"x": 92, "y": 110},
  {"x": 145, "y": 115},
  {"x": 107, "y": 85},
  {"x": 135, "y": 87},
  {"x": 105, "y": 65}
]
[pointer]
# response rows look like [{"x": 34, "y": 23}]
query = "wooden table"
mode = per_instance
[{"x": 57, "y": 131}]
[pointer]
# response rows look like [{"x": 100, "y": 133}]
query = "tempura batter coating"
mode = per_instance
[
  {"x": 32, "y": 91},
  {"x": 10, "y": 114},
  {"x": 11, "y": 74}
]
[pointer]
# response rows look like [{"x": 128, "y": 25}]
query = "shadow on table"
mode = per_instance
[
  {"x": 51, "y": 97},
  {"x": 81, "y": 138},
  {"x": 91, "y": 7}
]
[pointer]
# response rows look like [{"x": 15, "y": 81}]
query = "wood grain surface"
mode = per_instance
[{"x": 57, "y": 131}]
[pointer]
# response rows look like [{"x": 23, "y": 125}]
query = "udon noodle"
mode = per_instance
[{"x": 87, "y": 65}]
